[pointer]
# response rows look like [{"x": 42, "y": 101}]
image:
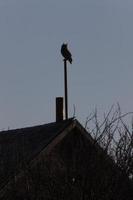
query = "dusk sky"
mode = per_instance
[{"x": 99, "y": 34}]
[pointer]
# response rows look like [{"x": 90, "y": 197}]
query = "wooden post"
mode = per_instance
[{"x": 65, "y": 87}]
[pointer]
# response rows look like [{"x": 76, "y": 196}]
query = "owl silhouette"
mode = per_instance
[{"x": 66, "y": 53}]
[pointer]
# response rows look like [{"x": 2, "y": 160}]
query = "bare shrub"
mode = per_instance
[{"x": 114, "y": 136}]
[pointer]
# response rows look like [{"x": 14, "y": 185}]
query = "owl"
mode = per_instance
[{"x": 66, "y": 53}]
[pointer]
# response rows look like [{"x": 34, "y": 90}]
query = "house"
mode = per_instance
[{"x": 58, "y": 161}]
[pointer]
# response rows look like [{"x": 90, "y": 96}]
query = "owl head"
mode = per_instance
[{"x": 64, "y": 45}]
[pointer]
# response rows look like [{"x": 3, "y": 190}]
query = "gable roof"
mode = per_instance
[
  {"x": 27, "y": 145},
  {"x": 19, "y": 146}
]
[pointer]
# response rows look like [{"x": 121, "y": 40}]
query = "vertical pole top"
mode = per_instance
[{"x": 65, "y": 88}]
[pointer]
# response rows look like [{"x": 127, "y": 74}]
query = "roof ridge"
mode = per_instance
[{"x": 34, "y": 126}]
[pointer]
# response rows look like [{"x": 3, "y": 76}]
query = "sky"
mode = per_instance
[{"x": 99, "y": 34}]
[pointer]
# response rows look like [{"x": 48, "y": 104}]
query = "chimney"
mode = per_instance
[{"x": 59, "y": 109}]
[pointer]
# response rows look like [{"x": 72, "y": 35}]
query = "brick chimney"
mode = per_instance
[{"x": 59, "y": 109}]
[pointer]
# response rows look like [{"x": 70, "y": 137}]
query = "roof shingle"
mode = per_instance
[{"x": 22, "y": 145}]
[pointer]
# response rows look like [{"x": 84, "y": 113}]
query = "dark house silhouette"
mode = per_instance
[{"x": 58, "y": 161}]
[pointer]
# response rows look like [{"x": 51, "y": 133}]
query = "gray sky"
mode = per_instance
[{"x": 99, "y": 34}]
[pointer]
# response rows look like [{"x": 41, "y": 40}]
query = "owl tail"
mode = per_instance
[{"x": 70, "y": 60}]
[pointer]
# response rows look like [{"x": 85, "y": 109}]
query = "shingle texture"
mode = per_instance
[{"x": 21, "y": 145}]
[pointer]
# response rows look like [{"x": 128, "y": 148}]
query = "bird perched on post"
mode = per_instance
[{"x": 66, "y": 53}]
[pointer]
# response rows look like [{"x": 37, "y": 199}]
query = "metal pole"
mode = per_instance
[{"x": 65, "y": 87}]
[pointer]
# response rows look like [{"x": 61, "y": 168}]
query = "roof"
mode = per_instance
[
  {"x": 28, "y": 145},
  {"x": 19, "y": 146}
]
